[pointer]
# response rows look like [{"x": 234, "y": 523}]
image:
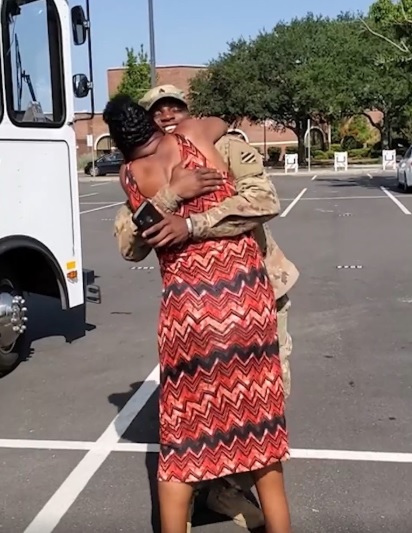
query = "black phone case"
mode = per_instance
[{"x": 146, "y": 216}]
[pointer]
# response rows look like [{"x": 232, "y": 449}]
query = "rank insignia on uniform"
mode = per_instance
[{"x": 248, "y": 157}]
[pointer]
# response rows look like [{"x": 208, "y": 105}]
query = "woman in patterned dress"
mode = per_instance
[{"x": 221, "y": 403}]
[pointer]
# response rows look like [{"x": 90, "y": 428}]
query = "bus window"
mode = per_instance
[
  {"x": 1, "y": 95},
  {"x": 32, "y": 50}
]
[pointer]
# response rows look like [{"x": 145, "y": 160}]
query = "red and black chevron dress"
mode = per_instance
[{"x": 221, "y": 392}]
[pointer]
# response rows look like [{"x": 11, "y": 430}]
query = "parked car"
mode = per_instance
[
  {"x": 404, "y": 171},
  {"x": 106, "y": 164}
]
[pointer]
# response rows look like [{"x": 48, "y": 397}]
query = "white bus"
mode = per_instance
[{"x": 40, "y": 242}]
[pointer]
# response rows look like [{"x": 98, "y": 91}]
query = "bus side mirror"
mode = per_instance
[
  {"x": 81, "y": 85},
  {"x": 79, "y": 25}
]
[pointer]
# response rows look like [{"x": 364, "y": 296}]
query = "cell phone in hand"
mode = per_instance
[{"x": 146, "y": 216}]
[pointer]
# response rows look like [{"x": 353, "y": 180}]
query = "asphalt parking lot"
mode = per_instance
[{"x": 78, "y": 433}]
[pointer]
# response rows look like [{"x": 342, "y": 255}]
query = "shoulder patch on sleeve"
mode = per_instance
[{"x": 248, "y": 158}]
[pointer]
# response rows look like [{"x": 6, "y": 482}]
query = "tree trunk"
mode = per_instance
[
  {"x": 389, "y": 131},
  {"x": 300, "y": 131},
  {"x": 302, "y": 148}
]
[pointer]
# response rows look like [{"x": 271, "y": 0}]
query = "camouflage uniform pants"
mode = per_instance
[
  {"x": 245, "y": 481},
  {"x": 285, "y": 341}
]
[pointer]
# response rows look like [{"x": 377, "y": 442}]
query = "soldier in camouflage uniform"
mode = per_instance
[{"x": 255, "y": 203}]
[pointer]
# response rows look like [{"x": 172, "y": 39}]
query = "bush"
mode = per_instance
[
  {"x": 335, "y": 148},
  {"x": 377, "y": 147},
  {"x": 83, "y": 160},
  {"x": 350, "y": 143},
  {"x": 291, "y": 149},
  {"x": 319, "y": 155},
  {"x": 360, "y": 153},
  {"x": 274, "y": 155},
  {"x": 322, "y": 155},
  {"x": 356, "y": 153}
]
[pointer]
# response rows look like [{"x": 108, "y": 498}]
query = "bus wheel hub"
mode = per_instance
[{"x": 12, "y": 320}]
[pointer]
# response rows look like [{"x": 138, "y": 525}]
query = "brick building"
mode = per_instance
[{"x": 178, "y": 75}]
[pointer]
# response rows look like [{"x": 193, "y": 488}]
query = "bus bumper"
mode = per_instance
[{"x": 92, "y": 291}]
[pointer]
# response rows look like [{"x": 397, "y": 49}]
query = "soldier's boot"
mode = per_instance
[{"x": 232, "y": 502}]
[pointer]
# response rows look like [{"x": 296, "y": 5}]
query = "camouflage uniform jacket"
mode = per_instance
[{"x": 255, "y": 203}]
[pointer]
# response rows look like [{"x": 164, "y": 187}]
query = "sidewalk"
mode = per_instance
[
  {"x": 319, "y": 171},
  {"x": 273, "y": 171},
  {"x": 84, "y": 178}
]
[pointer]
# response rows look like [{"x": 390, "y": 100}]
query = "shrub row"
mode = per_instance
[{"x": 321, "y": 155}]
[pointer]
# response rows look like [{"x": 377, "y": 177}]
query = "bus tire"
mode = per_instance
[{"x": 11, "y": 354}]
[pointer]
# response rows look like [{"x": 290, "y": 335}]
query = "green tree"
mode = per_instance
[
  {"x": 297, "y": 72},
  {"x": 402, "y": 124},
  {"x": 302, "y": 70},
  {"x": 359, "y": 129},
  {"x": 136, "y": 77},
  {"x": 386, "y": 83},
  {"x": 391, "y": 22},
  {"x": 312, "y": 68},
  {"x": 224, "y": 88},
  {"x": 386, "y": 89}
]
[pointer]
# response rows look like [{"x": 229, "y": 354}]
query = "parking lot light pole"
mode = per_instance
[{"x": 152, "y": 44}]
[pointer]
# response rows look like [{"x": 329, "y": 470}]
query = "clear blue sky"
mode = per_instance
[{"x": 193, "y": 33}]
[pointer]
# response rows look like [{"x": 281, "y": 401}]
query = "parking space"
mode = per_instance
[{"x": 78, "y": 430}]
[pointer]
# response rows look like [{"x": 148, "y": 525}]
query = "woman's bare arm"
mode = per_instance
[{"x": 207, "y": 129}]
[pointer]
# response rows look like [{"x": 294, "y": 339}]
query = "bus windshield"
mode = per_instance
[{"x": 32, "y": 49}]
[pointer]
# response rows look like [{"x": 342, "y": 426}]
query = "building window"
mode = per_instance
[{"x": 32, "y": 50}]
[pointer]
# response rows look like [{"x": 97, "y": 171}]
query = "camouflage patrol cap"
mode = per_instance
[{"x": 159, "y": 93}]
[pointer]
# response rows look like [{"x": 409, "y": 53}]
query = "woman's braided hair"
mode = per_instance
[{"x": 130, "y": 125}]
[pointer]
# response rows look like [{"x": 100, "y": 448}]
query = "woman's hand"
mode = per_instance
[
  {"x": 190, "y": 183},
  {"x": 172, "y": 230}
]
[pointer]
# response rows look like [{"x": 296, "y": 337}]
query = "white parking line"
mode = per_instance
[
  {"x": 100, "y": 184},
  {"x": 299, "y": 453},
  {"x": 350, "y": 455},
  {"x": 31, "y": 444},
  {"x": 292, "y": 204},
  {"x": 371, "y": 197},
  {"x": 148, "y": 447},
  {"x": 97, "y": 203},
  {"x": 100, "y": 208},
  {"x": 314, "y": 177},
  {"x": 61, "y": 501},
  {"x": 89, "y": 194},
  {"x": 396, "y": 201},
  {"x": 370, "y": 176}
]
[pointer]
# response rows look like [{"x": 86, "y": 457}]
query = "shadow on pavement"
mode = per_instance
[
  {"x": 46, "y": 318},
  {"x": 377, "y": 181},
  {"x": 70, "y": 324},
  {"x": 145, "y": 429}
]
